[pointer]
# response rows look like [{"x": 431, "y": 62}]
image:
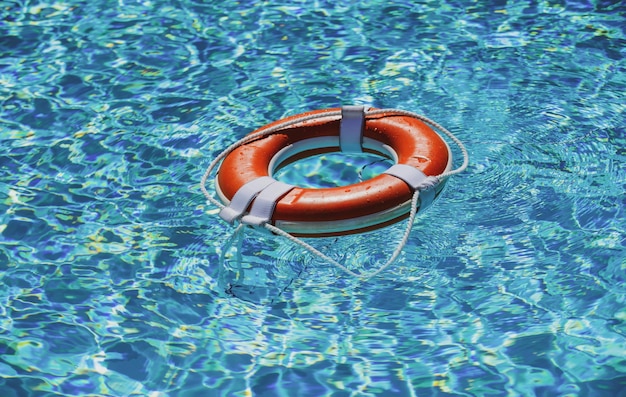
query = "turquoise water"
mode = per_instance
[{"x": 118, "y": 279}]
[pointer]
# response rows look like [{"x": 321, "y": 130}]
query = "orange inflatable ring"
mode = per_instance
[{"x": 368, "y": 205}]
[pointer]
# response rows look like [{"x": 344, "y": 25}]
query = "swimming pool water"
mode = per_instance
[{"x": 118, "y": 279}]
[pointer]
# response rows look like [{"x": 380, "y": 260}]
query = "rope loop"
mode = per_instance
[{"x": 427, "y": 184}]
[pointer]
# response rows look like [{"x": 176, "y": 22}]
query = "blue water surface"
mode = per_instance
[{"x": 118, "y": 279}]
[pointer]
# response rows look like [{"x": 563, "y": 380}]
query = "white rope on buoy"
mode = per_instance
[{"x": 414, "y": 201}]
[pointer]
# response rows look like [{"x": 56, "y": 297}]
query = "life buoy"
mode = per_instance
[{"x": 368, "y": 205}]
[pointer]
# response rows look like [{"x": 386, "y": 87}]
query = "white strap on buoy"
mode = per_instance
[
  {"x": 265, "y": 203},
  {"x": 243, "y": 197},
  {"x": 351, "y": 129},
  {"x": 418, "y": 181}
]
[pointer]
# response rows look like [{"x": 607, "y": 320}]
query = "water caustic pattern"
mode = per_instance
[{"x": 119, "y": 280}]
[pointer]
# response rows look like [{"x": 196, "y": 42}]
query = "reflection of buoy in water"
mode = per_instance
[{"x": 245, "y": 176}]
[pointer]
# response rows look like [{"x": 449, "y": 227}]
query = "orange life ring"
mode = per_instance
[{"x": 368, "y": 205}]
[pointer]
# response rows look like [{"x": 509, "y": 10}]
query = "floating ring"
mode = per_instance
[{"x": 417, "y": 150}]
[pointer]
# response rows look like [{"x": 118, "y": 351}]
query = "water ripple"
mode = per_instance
[{"x": 119, "y": 280}]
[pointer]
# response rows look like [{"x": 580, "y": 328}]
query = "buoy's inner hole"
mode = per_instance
[{"x": 333, "y": 169}]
